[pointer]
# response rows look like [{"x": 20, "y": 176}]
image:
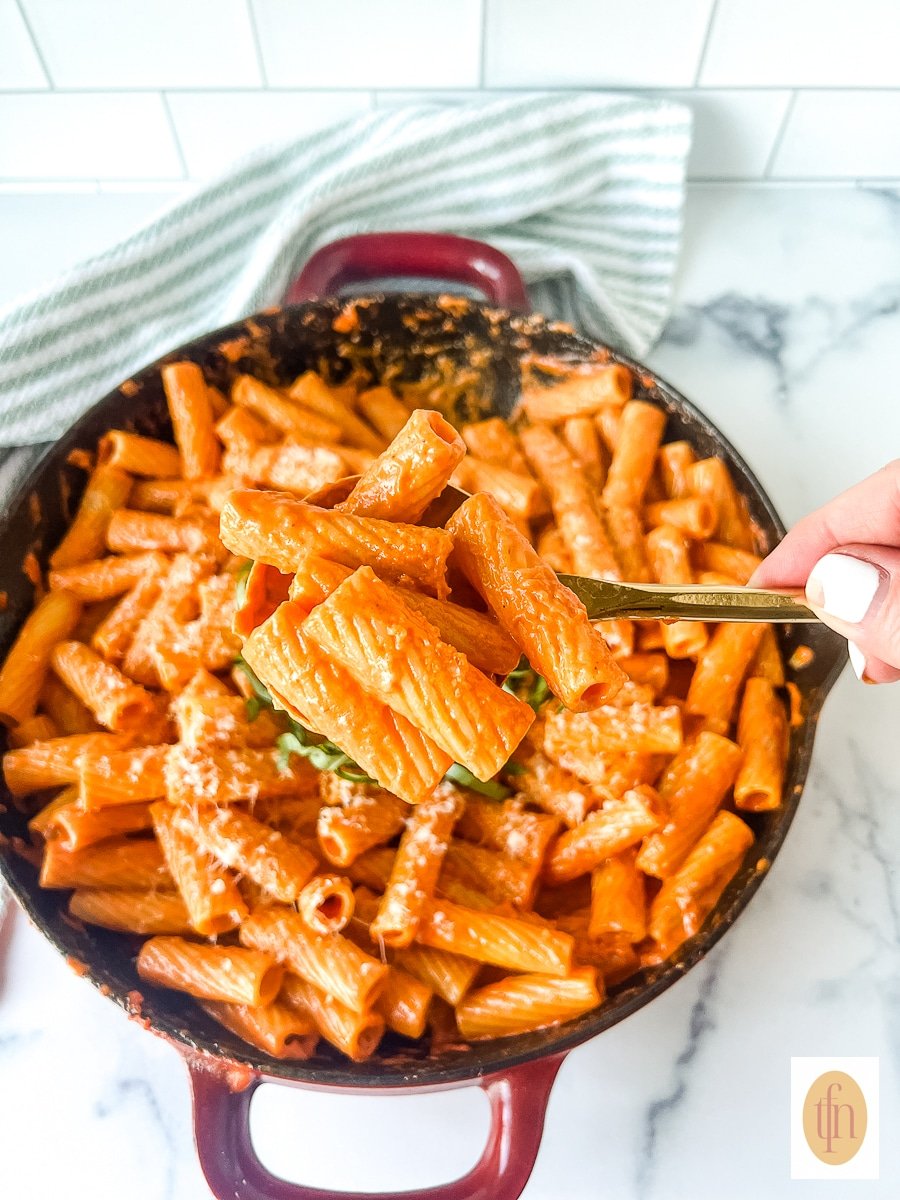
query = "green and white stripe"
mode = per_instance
[{"x": 584, "y": 191}]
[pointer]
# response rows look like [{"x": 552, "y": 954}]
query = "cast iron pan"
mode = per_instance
[{"x": 399, "y": 336}]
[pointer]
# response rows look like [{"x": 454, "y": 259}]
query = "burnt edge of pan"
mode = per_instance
[{"x": 397, "y": 334}]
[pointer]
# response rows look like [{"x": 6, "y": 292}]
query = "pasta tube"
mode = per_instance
[
  {"x": 146, "y": 913},
  {"x": 310, "y": 390},
  {"x": 557, "y": 791},
  {"x": 448, "y": 975},
  {"x": 583, "y": 391},
  {"x": 711, "y": 479},
  {"x": 618, "y": 898},
  {"x": 581, "y": 740},
  {"x": 331, "y": 963},
  {"x": 490, "y": 938},
  {"x": 721, "y": 669},
  {"x": 686, "y": 899},
  {"x": 507, "y": 826},
  {"x": 491, "y": 876},
  {"x": 674, "y": 460},
  {"x": 139, "y": 455},
  {"x": 493, "y": 441},
  {"x": 404, "y": 1003},
  {"x": 77, "y": 828},
  {"x": 668, "y": 552},
  {"x": 107, "y": 577},
  {"x": 228, "y": 776},
  {"x": 603, "y": 833},
  {"x": 540, "y": 615},
  {"x": 573, "y": 503},
  {"x": 210, "y": 894},
  {"x": 383, "y": 410},
  {"x": 520, "y": 1003},
  {"x": 192, "y": 419},
  {"x": 354, "y": 1033},
  {"x": 64, "y": 708},
  {"x": 230, "y": 974},
  {"x": 763, "y": 736},
  {"x": 114, "y": 635},
  {"x": 518, "y": 494},
  {"x": 364, "y": 818},
  {"x": 580, "y": 436},
  {"x": 274, "y": 407},
  {"x": 387, "y": 747},
  {"x": 239, "y": 841},
  {"x": 399, "y": 657},
  {"x": 412, "y": 472},
  {"x": 104, "y": 494},
  {"x": 121, "y": 777},
  {"x": 282, "y": 531},
  {"x": 276, "y": 1029},
  {"x": 326, "y": 903},
  {"x": 122, "y": 864},
  {"x": 416, "y": 867},
  {"x": 54, "y": 762},
  {"x": 114, "y": 699},
  {"x": 634, "y": 457},
  {"x": 694, "y": 516},
  {"x": 23, "y": 672},
  {"x": 692, "y": 788}
]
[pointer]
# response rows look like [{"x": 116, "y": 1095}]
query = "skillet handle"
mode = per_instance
[
  {"x": 518, "y": 1099},
  {"x": 367, "y": 256}
]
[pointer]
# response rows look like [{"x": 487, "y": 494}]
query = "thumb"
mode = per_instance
[{"x": 855, "y": 590}]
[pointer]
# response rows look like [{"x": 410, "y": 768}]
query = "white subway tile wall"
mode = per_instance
[
  {"x": 594, "y": 43},
  {"x": 20, "y": 66},
  {"x": 128, "y": 93},
  {"x": 370, "y": 43},
  {"x": 140, "y": 44},
  {"x": 86, "y": 135},
  {"x": 804, "y": 43},
  {"x": 214, "y": 128},
  {"x": 833, "y": 134}
]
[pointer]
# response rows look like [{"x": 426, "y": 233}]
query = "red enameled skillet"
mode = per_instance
[{"x": 405, "y": 334}]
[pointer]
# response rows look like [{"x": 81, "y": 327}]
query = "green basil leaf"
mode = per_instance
[
  {"x": 461, "y": 776},
  {"x": 260, "y": 698},
  {"x": 241, "y": 575},
  {"x": 525, "y": 684}
]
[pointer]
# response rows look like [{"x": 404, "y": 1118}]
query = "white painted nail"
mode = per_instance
[
  {"x": 857, "y": 660},
  {"x": 847, "y": 586}
]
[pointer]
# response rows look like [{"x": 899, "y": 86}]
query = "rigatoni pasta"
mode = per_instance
[{"x": 351, "y": 773}]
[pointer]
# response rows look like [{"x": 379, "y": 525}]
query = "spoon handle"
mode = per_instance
[{"x": 687, "y": 602}]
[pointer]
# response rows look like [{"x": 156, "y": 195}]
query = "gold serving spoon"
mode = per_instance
[
  {"x": 687, "y": 602},
  {"x": 604, "y": 598}
]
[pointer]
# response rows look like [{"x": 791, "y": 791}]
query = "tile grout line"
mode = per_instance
[
  {"x": 29, "y": 185},
  {"x": 713, "y": 12},
  {"x": 779, "y": 136},
  {"x": 260, "y": 61},
  {"x": 624, "y": 89},
  {"x": 38, "y": 52},
  {"x": 173, "y": 129}
]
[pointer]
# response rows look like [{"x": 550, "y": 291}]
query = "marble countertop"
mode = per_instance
[{"x": 786, "y": 331}]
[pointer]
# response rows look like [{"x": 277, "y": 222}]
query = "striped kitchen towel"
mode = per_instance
[{"x": 583, "y": 190}]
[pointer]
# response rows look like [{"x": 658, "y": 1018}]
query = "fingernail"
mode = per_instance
[
  {"x": 857, "y": 660},
  {"x": 844, "y": 586}
]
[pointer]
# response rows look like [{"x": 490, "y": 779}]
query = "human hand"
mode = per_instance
[{"x": 847, "y": 556}]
